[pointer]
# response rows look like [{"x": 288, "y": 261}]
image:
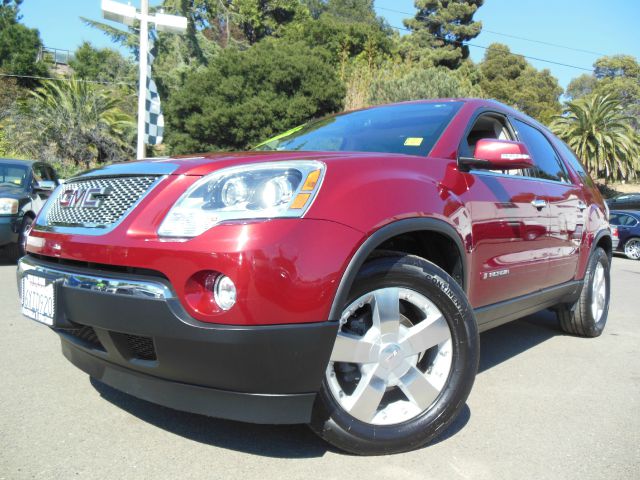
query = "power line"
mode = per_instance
[
  {"x": 552, "y": 62},
  {"x": 14, "y": 75},
  {"x": 506, "y": 35},
  {"x": 545, "y": 43}
]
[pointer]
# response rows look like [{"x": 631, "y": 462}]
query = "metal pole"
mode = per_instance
[{"x": 142, "y": 88}]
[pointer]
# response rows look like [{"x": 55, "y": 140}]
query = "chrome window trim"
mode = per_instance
[
  {"x": 521, "y": 177},
  {"x": 41, "y": 226},
  {"x": 98, "y": 283}
]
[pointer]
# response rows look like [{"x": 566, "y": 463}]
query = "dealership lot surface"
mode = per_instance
[{"x": 544, "y": 405}]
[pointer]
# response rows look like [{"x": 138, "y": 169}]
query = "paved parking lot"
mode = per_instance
[{"x": 544, "y": 405}]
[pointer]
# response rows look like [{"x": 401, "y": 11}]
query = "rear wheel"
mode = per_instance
[
  {"x": 588, "y": 316},
  {"x": 632, "y": 248},
  {"x": 404, "y": 360}
]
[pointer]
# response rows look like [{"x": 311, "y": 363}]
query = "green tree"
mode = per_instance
[
  {"x": 243, "y": 97},
  {"x": 599, "y": 132},
  {"x": 19, "y": 46},
  {"x": 259, "y": 18},
  {"x": 102, "y": 65},
  {"x": 439, "y": 29},
  {"x": 344, "y": 38},
  {"x": 72, "y": 120},
  {"x": 420, "y": 83},
  {"x": 581, "y": 86},
  {"x": 619, "y": 76},
  {"x": 509, "y": 78}
]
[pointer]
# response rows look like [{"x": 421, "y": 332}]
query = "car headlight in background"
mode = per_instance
[
  {"x": 8, "y": 206},
  {"x": 264, "y": 190}
]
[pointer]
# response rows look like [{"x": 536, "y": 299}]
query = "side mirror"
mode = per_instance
[
  {"x": 45, "y": 186},
  {"x": 492, "y": 154}
]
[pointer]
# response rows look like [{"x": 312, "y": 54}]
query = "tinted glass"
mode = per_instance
[
  {"x": 625, "y": 220},
  {"x": 410, "y": 129},
  {"x": 52, "y": 174},
  {"x": 577, "y": 165},
  {"x": 547, "y": 163},
  {"x": 13, "y": 175},
  {"x": 40, "y": 172}
]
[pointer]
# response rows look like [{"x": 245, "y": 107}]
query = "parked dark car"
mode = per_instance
[
  {"x": 25, "y": 185},
  {"x": 338, "y": 276},
  {"x": 626, "y": 201},
  {"x": 628, "y": 223}
]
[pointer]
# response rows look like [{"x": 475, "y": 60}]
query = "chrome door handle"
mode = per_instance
[
  {"x": 581, "y": 205},
  {"x": 539, "y": 203}
]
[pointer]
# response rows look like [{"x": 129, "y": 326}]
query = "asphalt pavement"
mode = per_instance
[{"x": 544, "y": 406}]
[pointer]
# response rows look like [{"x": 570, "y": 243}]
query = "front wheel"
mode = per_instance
[
  {"x": 17, "y": 250},
  {"x": 632, "y": 249},
  {"x": 404, "y": 360}
]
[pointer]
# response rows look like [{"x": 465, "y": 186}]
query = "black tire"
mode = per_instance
[
  {"x": 578, "y": 319},
  {"x": 335, "y": 425},
  {"x": 17, "y": 250}
]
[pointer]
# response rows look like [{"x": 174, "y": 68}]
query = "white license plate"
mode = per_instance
[{"x": 38, "y": 299}]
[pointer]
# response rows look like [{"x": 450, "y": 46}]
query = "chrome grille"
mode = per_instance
[{"x": 123, "y": 193}]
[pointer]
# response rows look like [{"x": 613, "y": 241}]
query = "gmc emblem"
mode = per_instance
[{"x": 83, "y": 197}]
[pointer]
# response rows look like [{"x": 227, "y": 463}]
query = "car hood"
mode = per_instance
[
  {"x": 11, "y": 192},
  {"x": 206, "y": 163}
]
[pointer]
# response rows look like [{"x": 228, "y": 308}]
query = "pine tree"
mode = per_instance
[{"x": 439, "y": 29}]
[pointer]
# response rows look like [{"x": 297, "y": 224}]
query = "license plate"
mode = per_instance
[{"x": 39, "y": 299}]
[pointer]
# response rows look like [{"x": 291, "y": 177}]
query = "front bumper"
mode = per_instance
[
  {"x": 132, "y": 333},
  {"x": 8, "y": 233}
]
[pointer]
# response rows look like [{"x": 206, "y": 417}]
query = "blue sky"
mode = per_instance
[{"x": 607, "y": 27}]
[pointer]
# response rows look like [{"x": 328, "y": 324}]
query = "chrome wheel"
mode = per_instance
[
  {"x": 598, "y": 293},
  {"x": 392, "y": 356},
  {"x": 632, "y": 249}
]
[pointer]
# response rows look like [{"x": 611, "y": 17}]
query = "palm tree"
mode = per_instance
[
  {"x": 74, "y": 120},
  {"x": 599, "y": 132}
]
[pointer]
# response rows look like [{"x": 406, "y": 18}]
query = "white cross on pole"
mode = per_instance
[{"x": 119, "y": 12}]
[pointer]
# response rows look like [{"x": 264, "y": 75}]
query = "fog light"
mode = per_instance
[{"x": 224, "y": 292}]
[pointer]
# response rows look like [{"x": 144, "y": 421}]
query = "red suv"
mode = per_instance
[{"x": 337, "y": 275}]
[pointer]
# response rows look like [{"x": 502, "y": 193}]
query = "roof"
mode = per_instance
[{"x": 16, "y": 161}]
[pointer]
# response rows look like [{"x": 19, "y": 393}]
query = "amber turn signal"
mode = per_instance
[{"x": 311, "y": 181}]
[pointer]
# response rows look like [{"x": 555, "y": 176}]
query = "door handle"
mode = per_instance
[
  {"x": 539, "y": 203},
  {"x": 581, "y": 205}
]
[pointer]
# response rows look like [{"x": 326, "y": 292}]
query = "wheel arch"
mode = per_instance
[
  {"x": 387, "y": 233},
  {"x": 604, "y": 241}
]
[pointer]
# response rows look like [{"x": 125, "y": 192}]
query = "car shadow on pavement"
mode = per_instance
[
  {"x": 6, "y": 261},
  {"x": 502, "y": 343},
  {"x": 279, "y": 441},
  {"x": 298, "y": 441}
]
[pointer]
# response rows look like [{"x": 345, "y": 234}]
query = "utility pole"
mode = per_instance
[
  {"x": 142, "y": 73},
  {"x": 127, "y": 14}
]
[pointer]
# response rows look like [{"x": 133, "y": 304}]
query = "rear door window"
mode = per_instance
[{"x": 626, "y": 220}]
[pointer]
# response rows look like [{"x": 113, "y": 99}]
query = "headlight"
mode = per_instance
[
  {"x": 8, "y": 206},
  {"x": 265, "y": 190}
]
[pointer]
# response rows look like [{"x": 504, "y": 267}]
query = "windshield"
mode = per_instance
[
  {"x": 12, "y": 175},
  {"x": 410, "y": 128}
]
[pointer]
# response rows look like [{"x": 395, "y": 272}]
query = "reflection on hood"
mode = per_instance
[{"x": 11, "y": 192}]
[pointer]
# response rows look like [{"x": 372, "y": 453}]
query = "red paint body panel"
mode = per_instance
[
  {"x": 288, "y": 270},
  {"x": 285, "y": 271}
]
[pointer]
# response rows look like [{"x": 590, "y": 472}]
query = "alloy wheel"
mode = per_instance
[{"x": 392, "y": 356}]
